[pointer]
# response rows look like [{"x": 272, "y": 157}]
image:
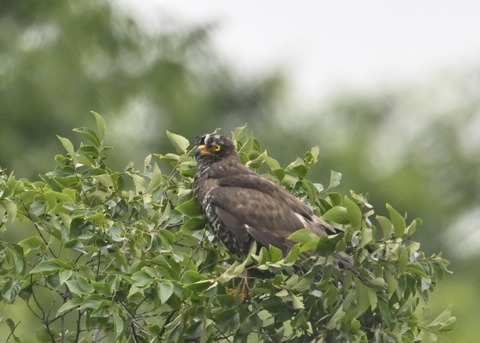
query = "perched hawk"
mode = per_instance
[{"x": 242, "y": 206}]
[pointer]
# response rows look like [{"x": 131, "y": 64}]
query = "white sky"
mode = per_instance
[{"x": 328, "y": 45}]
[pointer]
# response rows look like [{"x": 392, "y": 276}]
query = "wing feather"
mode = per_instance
[
  {"x": 266, "y": 219},
  {"x": 256, "y": 182}
]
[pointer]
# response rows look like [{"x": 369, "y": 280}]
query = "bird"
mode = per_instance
[{"x": 243, "y": 207}]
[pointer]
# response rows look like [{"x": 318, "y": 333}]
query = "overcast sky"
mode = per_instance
[{"x": 329, "y": 45}]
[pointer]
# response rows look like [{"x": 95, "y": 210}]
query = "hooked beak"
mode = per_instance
[{"x": 202, "y": 150}]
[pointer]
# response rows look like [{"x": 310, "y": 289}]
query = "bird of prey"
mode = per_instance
[{"x": 242, "y": 206}]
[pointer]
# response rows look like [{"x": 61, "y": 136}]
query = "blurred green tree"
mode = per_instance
[{"x": 61, "y": 59}]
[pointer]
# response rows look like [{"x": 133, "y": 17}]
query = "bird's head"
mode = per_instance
[{"x": 214, "y": 146}]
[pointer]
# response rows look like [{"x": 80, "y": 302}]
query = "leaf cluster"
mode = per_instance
[{"x": 126, "y": 256}]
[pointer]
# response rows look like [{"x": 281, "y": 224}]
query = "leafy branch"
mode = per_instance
[{"x": 129, "y": 255}]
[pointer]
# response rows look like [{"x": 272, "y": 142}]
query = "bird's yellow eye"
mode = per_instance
[{"x": 216, "y": 147}]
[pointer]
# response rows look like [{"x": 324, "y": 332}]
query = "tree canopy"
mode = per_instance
[{"x": 125, "y": 256}]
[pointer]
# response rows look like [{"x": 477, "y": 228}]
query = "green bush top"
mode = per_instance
[{"x": 126, "y": 256}]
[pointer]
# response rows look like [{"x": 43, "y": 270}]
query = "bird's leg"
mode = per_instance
[{"x": 242, "y": 291}]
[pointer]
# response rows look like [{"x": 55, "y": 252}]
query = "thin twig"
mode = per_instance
[
  {"x": 167, "y": 321},
  {"x": 39, "y": 231},
  {"x": 12, "y": 333},
  {"x": 79, "y": 320},
  {"x": 132, "y": 328}
]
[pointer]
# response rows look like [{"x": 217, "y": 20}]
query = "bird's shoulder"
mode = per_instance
[{"x": 253, "y": 184}]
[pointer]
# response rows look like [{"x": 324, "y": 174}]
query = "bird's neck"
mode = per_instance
[{"x": 211, "y": 168}]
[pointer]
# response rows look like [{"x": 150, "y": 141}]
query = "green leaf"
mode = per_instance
[
  {"x": 165, "y": 290},
  {"x": 119, "y": 325},
  {"x": 233, "y": 271},
  {"x": 297, "y": 302},
  {"x": 372, "y": 298},
  {"x": 402, "y": 260},
  {"x": 12, "y": 326},
  {"x": 311, "y": 156},
  {"x": 200, "y": 286},
  {"x": 90, "y": 134},
  {"x": 45, "y": 336},
  {"x": 279, "y": 173},
  {"x": 310, "y": 189},
  {"x": 155, "y": 180},
  {"x": 194, "y": 224},
  {"x": 416, "y": 269},
  {"x": 10, "y": 208},
  {"x": 80, "y": 286},
  {"x": 54, "y": 197},
  {"x": 298, "y": 166},
  {"x": 10, "y": 291},
  {"x": 367, "y": 237},
  {"x": 31, "y": 243},
  {"x": 189, "y": 208},
  {"x": 170, "y": 157},
  {"x": 426, "y": 283},
  {"x": 100, "y": 125},
  {"x": 69, "y": 305},
  {"x": 67, "y": 144},
  {"x": 20, "y": 263},
  {"x": 10, "y": 323},
  {"x": 139, "y": 183},
  {"x": 239, "y": 133},
  {"x": 142, "y": 278},
  {"x": 385, "y": 225},
  {"x": 292, "y": 255},
  {"x": 180, "y": 143},
  {"x": 354, "y": 213},
  {"x": 443, "y": 322},
  {"x": 398, "y": 221},
  {"x": 105, "y": 180},
  {"x": 191, "y": 276},
  {"x": 335, "y": 178},
  {"x": 391, "y": 281},
  {"x": 335, "y": 198},
  {"x": 64, "y": 275},
  {"x": 302, "y": 236},
  {"x": 385, "y": 311},
  {"x": 336, "y": 319},
  {"x": 362, "y": 298},
  {"x": 275, "y": 253},
  {"x": 377, "y": 282},
  {"x": 337, "y": 214},
  {"x": 49, "y": 266},
  {"x": 410, "y": 230},
  {"x": 326, "y": 245},
  {"x": 256, "y": 162},
  {"x": 272, "y": 163}
]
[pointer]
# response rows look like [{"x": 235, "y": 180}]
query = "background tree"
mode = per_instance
[
  {"x": 61, "y": 59},
  {"x": 415, "y": 147}
]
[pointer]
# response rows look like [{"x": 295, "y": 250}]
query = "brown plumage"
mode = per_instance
[{"x": 242, "y": 206}]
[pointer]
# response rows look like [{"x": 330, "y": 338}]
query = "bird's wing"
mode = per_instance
[
  {"x": 257, "y": 182},
  {"x": 303, "y": 212},
  {"x": 266, "y": 219}
]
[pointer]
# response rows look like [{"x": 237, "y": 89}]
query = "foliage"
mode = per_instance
[{"x": 126, "y": 256}]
